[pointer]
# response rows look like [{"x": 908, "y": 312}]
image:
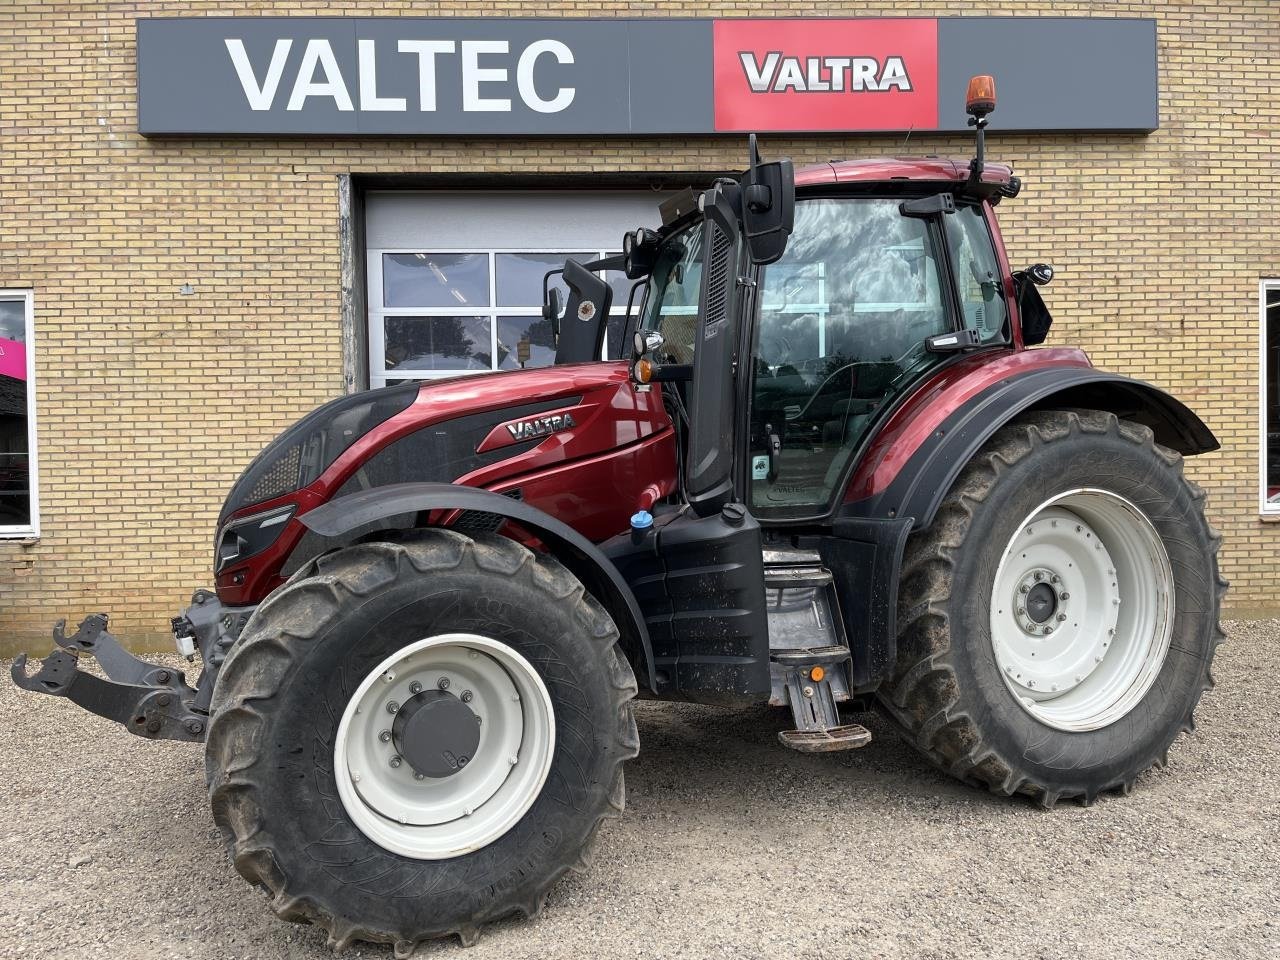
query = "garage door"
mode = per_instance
[{"x": 455, "y": 279}]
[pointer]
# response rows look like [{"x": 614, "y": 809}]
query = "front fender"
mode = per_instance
[
  {"x": 918, "y": 488},
  {"x": 576, "y": 552}
]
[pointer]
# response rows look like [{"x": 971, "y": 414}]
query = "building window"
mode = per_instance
[
  {"x": 18, "y": 512},
  {"x": 442, "y": 313},
  {"x": 1269, "y": 418}
]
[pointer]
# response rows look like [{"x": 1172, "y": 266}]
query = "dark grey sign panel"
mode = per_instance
[
  {"x": 1052, "y": 73},
  {"x": 404, "y": 76}
]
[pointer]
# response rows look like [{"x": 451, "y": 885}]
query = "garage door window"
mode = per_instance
[
  {"x": 442, "y": 313},
  {"x": 18, "y": 514}
]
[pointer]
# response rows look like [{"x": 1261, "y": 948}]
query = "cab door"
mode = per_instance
[{"x": 842, "y": 322}]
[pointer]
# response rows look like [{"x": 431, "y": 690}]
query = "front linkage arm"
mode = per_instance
[{"x": 149, "y": 700}]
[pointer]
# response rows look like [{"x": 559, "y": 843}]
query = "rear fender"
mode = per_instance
[
  {"x": 582, "y": 558},
  {"x": 919, "y": 486}
]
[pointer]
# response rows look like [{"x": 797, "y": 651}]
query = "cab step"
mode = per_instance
[{"x": 808, "y": 672}]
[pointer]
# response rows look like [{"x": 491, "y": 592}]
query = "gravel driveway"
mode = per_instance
[{"x": 730, "y": 845}]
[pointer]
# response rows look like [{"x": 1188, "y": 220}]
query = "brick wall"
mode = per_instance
[{"x": 150, "y": 403}]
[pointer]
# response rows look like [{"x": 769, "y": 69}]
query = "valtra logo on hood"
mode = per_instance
[{"x": 802, "y": 75}]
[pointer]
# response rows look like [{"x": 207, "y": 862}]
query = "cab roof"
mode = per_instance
[{"x": 881, "y": 169}]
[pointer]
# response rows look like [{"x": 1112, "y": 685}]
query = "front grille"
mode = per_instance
[{"x": 280, "y": 478}]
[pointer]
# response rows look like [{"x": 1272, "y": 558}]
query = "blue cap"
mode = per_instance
[{"x": 641, "y": 520}]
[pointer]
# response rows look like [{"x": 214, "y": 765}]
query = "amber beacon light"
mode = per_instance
[{"x": 981, "y": 98}]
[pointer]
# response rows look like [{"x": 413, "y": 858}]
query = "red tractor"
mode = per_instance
[{"x": 831, "y": 472}]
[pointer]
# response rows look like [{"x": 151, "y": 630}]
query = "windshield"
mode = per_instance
[{"x": 671, "y": 295}]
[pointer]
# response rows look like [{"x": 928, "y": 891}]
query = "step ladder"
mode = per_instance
[{"x": 813, "y": 707}]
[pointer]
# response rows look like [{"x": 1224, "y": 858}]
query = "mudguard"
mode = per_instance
[
  {"x": 575, "y": 551},
  {"x": 923, "y": 481}
]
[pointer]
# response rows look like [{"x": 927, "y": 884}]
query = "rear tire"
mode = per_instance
[
  {"x": 1123, "y": 684},
  {"x": 286, "y": 702}
]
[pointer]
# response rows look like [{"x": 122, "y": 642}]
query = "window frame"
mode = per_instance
[
  {"x": 1265, "y": 286},
  {"x": 29, "y": 531},
  {"x": 375, "y": 332}
]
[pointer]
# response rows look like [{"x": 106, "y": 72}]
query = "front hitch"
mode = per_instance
[{"x": 150, "y": 701}]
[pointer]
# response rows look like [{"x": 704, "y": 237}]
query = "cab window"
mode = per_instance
[
  {"x": 977, "y": 273},
  {"x": 842, "y": 324},
  {"x": 671, "y": 297}
]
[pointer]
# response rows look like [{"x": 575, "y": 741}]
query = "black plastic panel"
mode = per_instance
[
  {"x": 700, "y": 583},
  {"x": 865, "y": 557}
]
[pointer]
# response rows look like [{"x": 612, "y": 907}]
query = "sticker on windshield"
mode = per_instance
[{"x": 759, "y": 468}]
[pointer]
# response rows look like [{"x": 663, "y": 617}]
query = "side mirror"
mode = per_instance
[
  {"x": 768, "y": 207},
  {"x": 551, "y": 306},
  {"x": 582, "y": 329}
]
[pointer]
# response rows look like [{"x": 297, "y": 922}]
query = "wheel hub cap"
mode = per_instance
[
  {"x": 436, "y": 733},
  {"x": 1042, "y": 603},
  {"x": 1081, "y": 610}
]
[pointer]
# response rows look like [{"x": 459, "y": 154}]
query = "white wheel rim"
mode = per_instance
[
  {"x": 430, "y": 817},
  {"x": 1109, "y": 622}
]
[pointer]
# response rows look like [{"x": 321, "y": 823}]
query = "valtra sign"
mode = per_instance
[
  {"x": 378, "y": 76},
  {"x": 834, "y": 75}
]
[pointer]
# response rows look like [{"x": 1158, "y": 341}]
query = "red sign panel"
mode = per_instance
[{"x": 826, "y": 75}]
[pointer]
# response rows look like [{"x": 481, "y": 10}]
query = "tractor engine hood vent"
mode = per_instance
[{"x": 308, "y": 448}]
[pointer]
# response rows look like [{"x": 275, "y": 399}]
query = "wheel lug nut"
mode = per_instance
[
  {"x": 443, "y": 683},
  {"x": 1062, "y": 617},
  {"x": 1024, "y": 589},
  {"x": 1048, "y": 630},
  {"x": 393, "y": 707},
  {"x": 1039, "y": 576},
  {"x": 419, "y": 776},
  {"x": 385, "y": 736},
  {"x": 1054, "y": 579},
  {"x": 396, "y": 761},
  {"x": 1021, "y": 611},
  {"x": 415, "y": 687},
  {"x": 1064, "y": 595},
  {"x": 466, "y": 696}
]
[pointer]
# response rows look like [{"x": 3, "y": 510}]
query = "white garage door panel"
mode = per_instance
[
  {"x": 455, "y": 279},
  {"x": 532, "y": 220}
]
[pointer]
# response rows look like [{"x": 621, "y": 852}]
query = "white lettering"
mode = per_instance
[
  {"x": 814, "y": 81},
  {"x": 895, "y": 75},
  {"x": 863, "y": 74},
  {"x": 838, "y": 66},
  {"x": 260, "y": 96},
  {"x": 319, "y": 54},
  {"x": 524, "y": 76},
  {"x": 473, "y": 75},
  {"x": 426, "y": 51},
  {"x": 369, "y": 99},
  {"x": 789, "y": 75},
  {"x": 759, "y": 78}
]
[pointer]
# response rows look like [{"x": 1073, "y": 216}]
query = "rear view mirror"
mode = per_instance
[
  {"x": 551, "y": 306},
  {"x": 768, "y": 207}
]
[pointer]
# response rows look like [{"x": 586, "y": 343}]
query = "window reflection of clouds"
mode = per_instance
[{"x": 857, "y": 275}]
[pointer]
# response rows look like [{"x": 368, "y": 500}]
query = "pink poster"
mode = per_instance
[{"x": 13, "y": 359}]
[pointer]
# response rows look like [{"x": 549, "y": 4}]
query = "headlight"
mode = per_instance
[{"x": 249, "y": 536}]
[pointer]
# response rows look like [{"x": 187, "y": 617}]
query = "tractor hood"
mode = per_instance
[{"x": 453, "y": 427}]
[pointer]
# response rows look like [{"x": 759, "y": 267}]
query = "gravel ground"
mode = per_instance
[{"x": 730, "y": 844}]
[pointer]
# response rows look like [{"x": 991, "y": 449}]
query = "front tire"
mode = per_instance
[
  {"x": 465, "y": 803},
  {"x": 1059, "y": 618}
]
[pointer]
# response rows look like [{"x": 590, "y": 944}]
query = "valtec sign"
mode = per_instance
[{"x": 378, "y": 76}]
